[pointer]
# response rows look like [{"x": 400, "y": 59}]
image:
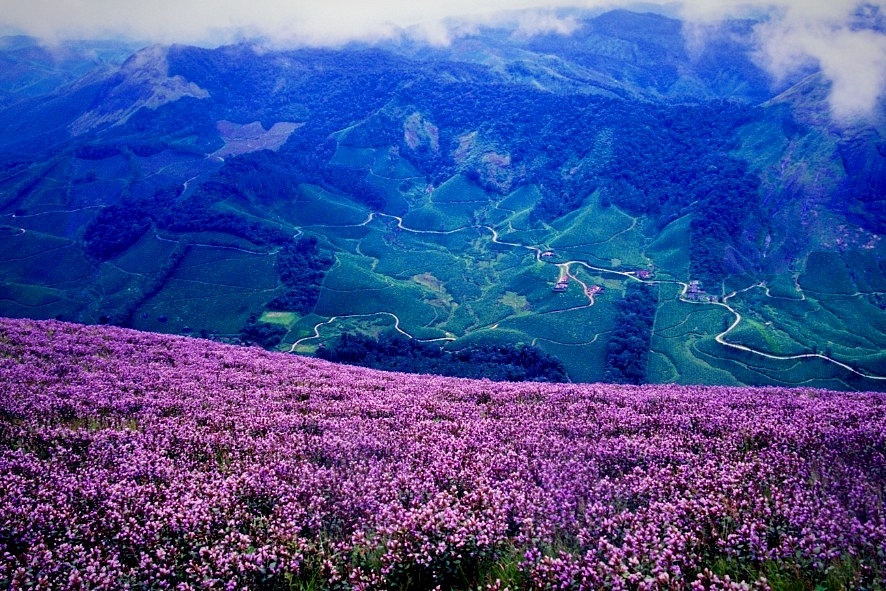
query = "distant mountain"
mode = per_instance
[
  {"x": 504, "y": 190},
  {"x": 29, "y": 69}
]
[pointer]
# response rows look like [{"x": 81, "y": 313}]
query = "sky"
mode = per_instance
[{"x": 845, "y": 38}]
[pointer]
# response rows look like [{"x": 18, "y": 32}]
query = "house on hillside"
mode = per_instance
[
  {"x": 695, "y": 293},
  {"x": 562, "y": 285}
]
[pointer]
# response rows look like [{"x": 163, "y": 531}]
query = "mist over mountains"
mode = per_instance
[{"x": 444, "y": 192}]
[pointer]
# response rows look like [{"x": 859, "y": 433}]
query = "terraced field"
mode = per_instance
[
  {"x": 473, "y": 272},
  {"x": 454, "y": 263}
]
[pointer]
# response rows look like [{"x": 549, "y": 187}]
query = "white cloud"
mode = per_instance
[
  {"x": 534, "y": 23},
  {"x": 317, "y": 22},
  {"x": 853, "y": 58}
]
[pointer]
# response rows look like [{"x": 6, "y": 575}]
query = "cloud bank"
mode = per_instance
[
  {"x": 846, "y": 39},
  {"x": 305, "y": 22}
]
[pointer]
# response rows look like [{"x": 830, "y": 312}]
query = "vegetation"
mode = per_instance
[
  {"x": 114, "y": 230},
  {"x": 172, "y": 462},
  {"x": 264, "y": 334},
  {"x": 628, "y": 349},
  {"x": 398, "y": 353},
  {"x": 301, "y": 266}
]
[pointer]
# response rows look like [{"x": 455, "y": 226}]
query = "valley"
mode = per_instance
[{"x": 433, "y": 196}]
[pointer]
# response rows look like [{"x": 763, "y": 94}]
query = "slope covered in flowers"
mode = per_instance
[{"x": 144, "y": 461}]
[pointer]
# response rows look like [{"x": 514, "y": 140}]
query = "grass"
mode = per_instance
[
  {"x": 458, "y": 189},
  {"x": 353, "y": 273},
  {"x": 783, "y": 286},
  {"x": 678, "y": 330},
  {"x": 523, "y": 199},
  {"x": 867, "y": 269},
  {"x": 684, "y": 349},
  {"x": 859, "y": 317},
  {"x": 660, "y": 369},
  {"x": 37, "y": 301},
  {"x": 590, "y": 225},
  {"x": 287, "y": 319},
  {"x": 765, "y": 337},
  {"x": 395, "y": 168},
  {"x": 848, "y": 328},
  {"x": 36, "y": 258},
  {"x": 314, "y": 206},
  {"x": 762, "y": 142},
  {"x": 843, "y": 573},
  {"x": 213, "y": 289},
  {"x": 489, "y": 336},
  {"x": 584, "y": 363},
  {"x": 826, "y": 273},
  {"x": 404, "y": 298},
  {"x": 436, "y": 218},
  {"x": 224, "y": 267},
  {"x": 577, "y": 327},
  {"x": 516, "y": 302},
  {"x": 146, "y": 256},
  {"x": 353, "y": 157},
  {"x": 670, "y": 250},
  {"x": 64, "y": 222},
  {"x": 420, "y": 261},
  {"x": 755, "y": 370}
]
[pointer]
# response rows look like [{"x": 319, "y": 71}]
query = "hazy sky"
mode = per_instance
[{"x": 844, "y": 37}]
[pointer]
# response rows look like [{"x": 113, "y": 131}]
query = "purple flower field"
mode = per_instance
[{"x": 141, "y": 461}]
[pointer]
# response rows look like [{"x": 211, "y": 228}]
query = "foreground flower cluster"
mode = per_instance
[{"x": 131, "y": 460}]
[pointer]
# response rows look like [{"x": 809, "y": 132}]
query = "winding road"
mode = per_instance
[
  {"x": 565, "y": 270},
  {"x": 721, "y": 337},
  {"x": 332, "y": 319}
]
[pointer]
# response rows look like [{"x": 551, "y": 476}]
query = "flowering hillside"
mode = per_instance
[{"x": 133, "y": 460}]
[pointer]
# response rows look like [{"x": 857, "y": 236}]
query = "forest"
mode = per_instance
[
  {"x": 628, "y": 348},
  {"x": 511, "y": 363}
]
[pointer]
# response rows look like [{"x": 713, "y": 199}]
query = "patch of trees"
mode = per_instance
[
  {"x": 628, "y": 349},
  {"x": 186, "y": 125},
  {"x": 117, "y": 227},
  {"x": 263, "y": 334},
  {"x": 114, "y": 230},
  {"x": 145, "y": 150},
  {"x": 264, "y": 177},
  {"x": 302, "y": 267},
  {"x": 353, "y": 182},
  {"x": 395, "y": 352},
  {"x": 96, "y": 152},
  {"x": 339, "y": 86}
]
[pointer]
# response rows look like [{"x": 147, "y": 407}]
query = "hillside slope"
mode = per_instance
[{"x": 169, "y": 462}]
